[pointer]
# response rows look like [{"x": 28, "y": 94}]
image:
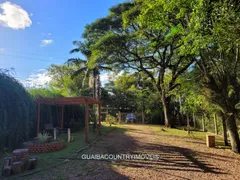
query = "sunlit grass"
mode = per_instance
[
  {"x": 180, "y": 132},
  {"x": 46, "y": 159}
]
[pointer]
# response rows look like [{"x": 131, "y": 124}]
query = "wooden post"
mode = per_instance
[
  {"x": 17, "y": 167},
  {"x": 32, "y": 163},
  {"x": 99, "y": 119},
  {"x": 86, "y": 122},
  {"x": 69, "y": 135},
  {"x": 38, "y": 120},
  {"x": 6, "y": 170},
  {"x": 215, "y": 123},
  {"x": 62, "y": 116},
  {"x": 210, "y": 140},
  {"x": 55, "y": 134}
]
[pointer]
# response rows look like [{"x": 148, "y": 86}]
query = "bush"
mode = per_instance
[
  {"x": 43, "y": 137},
  {"x": 17, "y": 113},
  {"x": 110, "y": 119}
]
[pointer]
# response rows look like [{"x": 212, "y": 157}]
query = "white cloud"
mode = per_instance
[
  {"x": 37, "y": 79},
  {"x": 40, "y": 70},
  {"x": 1, "y": 49},
  {"x": 14, "y": 16},
  {"x": 46, "y": 42}
]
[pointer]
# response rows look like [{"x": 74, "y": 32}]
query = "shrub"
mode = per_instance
[
  {"x": 43, "y": 137},
  {"x": 110, "y": 119},
  {"x": 17, "y": 113}
]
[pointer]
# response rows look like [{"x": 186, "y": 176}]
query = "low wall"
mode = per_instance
[{"x": 47, "y": 147}]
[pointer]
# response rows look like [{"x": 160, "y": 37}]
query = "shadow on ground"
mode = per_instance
[
  {"x": 135, "y": 140},
  {"x": 79, "y": 168}
]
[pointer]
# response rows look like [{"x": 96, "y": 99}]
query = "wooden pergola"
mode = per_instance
[{"x": 71, "y": 101}]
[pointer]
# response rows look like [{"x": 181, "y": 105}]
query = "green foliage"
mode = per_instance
[
  {"x": 90, "y": 70},
  {"x": 43, "y": 137},
  {"x": 156, "y": 117},
  {"x": 17, "y": 113},
  {"x": 129, "y": 38},
  {"x": 110, "y": 119},
  {"x": 44, "y": 92},
  {"x": 63, "y": 81},
  {"x": 237, "y": 106},
  {"x": 130, "y": 92}
]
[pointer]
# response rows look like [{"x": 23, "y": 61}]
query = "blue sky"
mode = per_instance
[{"x": 37, "y": 33}]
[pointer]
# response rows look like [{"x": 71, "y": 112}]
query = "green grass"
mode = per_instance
[
  {"x": 179, "y": 132},
  {"x": 51, "y": 158},
  {"x": 46, "y": 159}
]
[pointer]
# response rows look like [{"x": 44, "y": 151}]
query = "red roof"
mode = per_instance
[{"x": 69, "y": 100}]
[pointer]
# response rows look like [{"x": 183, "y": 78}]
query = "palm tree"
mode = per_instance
[{"x": 92, "y": 73}]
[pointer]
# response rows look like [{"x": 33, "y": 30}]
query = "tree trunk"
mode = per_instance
[
  {"x": 188, "y": 122},
  {"x": 233, "y": 133},
  {"x": 194, "y": 121},
  {"x": 167, "y": 115},
  {"x": 180, "y": 112},
  {"x": 94, "y": 86},
  {"x": 98, "y": 88},
  {"x": 143, "y": 110},
  {"x": 203, "y": 123},
  {"x": 143, "y": 119},
  {"x": 215, "y": 123},
  {"x": 225, "y": 138}
]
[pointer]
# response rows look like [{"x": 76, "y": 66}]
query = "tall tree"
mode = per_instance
[
  {"x": 214, "y": 37},
  {"x": 124, "y": 39},
  {"x": 92, "y": 73}
]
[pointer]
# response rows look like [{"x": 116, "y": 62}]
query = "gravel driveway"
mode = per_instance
[{"x": 180, "y": 158}]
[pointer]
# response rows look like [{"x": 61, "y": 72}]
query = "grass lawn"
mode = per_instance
[
  {"x": 46, "y": 159},
  {"x": 179, "y": 132}
]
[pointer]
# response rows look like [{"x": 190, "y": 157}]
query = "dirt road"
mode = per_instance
[{"x": 179, "y": 159}]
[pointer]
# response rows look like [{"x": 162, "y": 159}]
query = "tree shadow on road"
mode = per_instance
[{"x": 172, "y": 160}]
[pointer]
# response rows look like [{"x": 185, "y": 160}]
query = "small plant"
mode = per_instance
[
  {"x": 110, "y": 119},
  {"x": 43, "y": 137}
]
